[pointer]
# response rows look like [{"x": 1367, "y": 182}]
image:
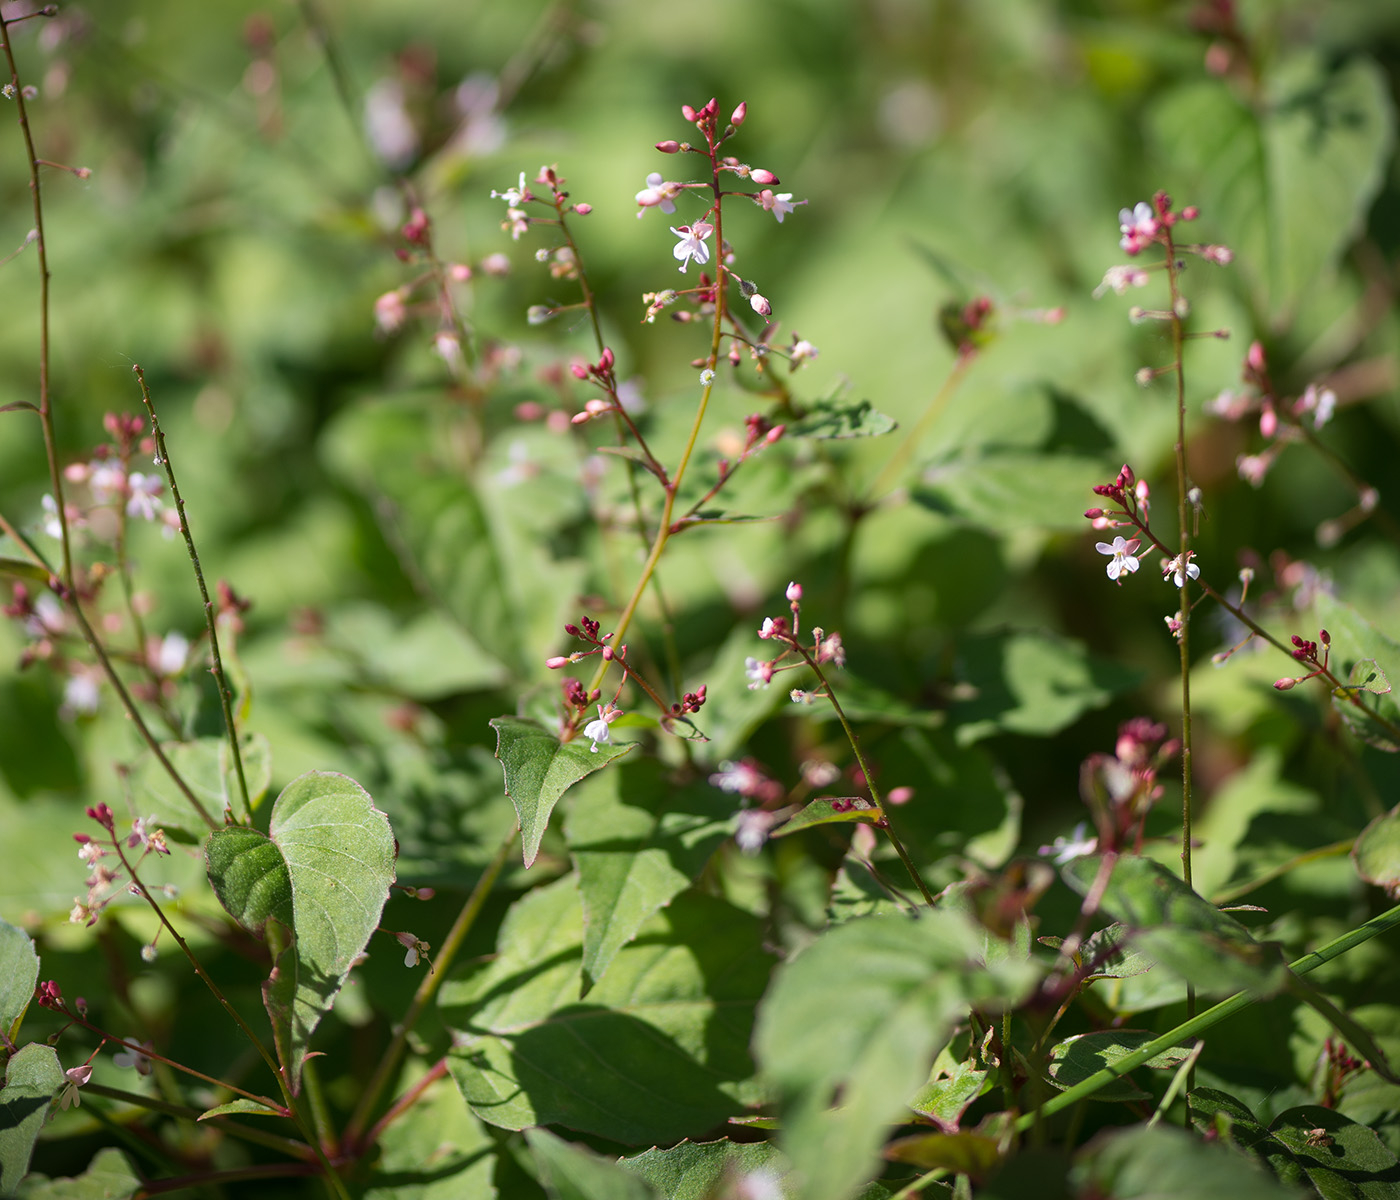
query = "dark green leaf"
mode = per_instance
[
  {"x": 1034, "y": 684},
  {"x": 1176, "y": 928},
  {"x": 1342, "y": 1160},
  {"x": 247, "y": 1107},
  {"x": 440, "y": 1152},
  {"x": 25, "y": 569},
  {"x": 966, "y": 1153},
  {"x": 539, "y": 768},
  {"x": 659, "y": 1053},
  {"x": 1152, "y": 1163},
  {"x": 1354, "y": 642},
  {"x": 990, "y": 491}
]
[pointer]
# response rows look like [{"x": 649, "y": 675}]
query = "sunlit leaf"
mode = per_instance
[
  {"x": 572, "y": 1172},
  {"x": 1377, "y": 852},
  {"x": 830, "y": 810},
  {"x": 33, "y": 1077},
  {"x": 19, "y": 972},
  {"x": 539, "y": 768},
  {"x": 108, "y": 1177},
  {"x": 315, "y": 886}
]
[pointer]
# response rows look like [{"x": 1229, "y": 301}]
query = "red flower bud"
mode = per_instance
[{"x": 668, "y": 147}]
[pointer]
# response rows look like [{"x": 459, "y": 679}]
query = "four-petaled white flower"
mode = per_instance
[
  {"x": 1138, "y": 225},
  {"x": 597, "y": 731},
  {"x": 779, "y": 205},
  {"x": 657, "y": 194},
  {"x": 513, "y": 196},
  {"x": 1066, "y": 849},
  {"x": 692, "y": 243},
  {"x": 1123, "y": 553},
  {"x": 1172, "y": 569}
]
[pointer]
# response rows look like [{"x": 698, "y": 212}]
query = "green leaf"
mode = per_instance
[
  {"x": 1377, "y": 852},
  {"x": 19, "y": 972},
  {"x": 659, "y": 1053},
  {"x": 1220, "y": 1114},
  {"x": 965, "y": 1153},
  {"x": 1034, "y": 684},
  {"x": 696, "y": 1170},
  {"x": 1342, "y": 1160},
  {"x": 539, "y": 768},
  {"x": 315, "y": 887},
  {"x": 990, "y": 490},
  {"x": 109, "y": 1177},
  {"x": 207, "y": 767},
  {"x": 1286, "y": 182},
  {"x": 1076, "y": 1058},
  {"x": 901, "y": 986},
  {"x": 32, "y": 1079},
  {"x": 440, "y": 1152},
  {"x": 1149, "y": 1163},
  {"x": 833, "y": 418},
  {"x": 825, "y": 811},
  {"x": 242, "y": 1105},
  {"x": 1366, "y": 675},
  {"x": 1176, "y": 928},
  {"x": 571, "y": 1172},
  {"x": 25, "y": 570},
  {"x": 637, "y": 840},
  {"x": 950, "y": 1091}
]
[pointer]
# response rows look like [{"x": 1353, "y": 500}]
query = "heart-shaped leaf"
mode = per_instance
[{"x": 314, "y": 886}]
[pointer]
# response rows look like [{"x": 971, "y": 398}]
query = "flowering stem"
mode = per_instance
[
  {"x": 672, "y": 485},
  {"x": 353, "y": 1140},
  {"x": 225, "y": 694},
  {"x": 869, "y": 778},
  {"x": 1184, "y": 533}
]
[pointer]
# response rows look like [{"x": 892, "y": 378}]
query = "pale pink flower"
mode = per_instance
[
  {"x": 692, "y": 243},
  {"x": 1122, "y": 554},
  {"x": 1139, "y": 226},
  {"x": 657, "y": 194}
]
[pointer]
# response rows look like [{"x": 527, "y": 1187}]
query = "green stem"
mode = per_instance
[
  {"x": 225, "y": 693},
  {"x": 869, "y": 778},
  {"x": 388, "y": 1064},
  {"x": 1212, "y": 1016},
  {"x": 288, "y": 1146}
]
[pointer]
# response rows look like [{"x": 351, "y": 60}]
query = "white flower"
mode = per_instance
[
  {"x": 752, "y": 826},
  {"x": 1171, "y": 569},
  {"x": 760, "y": 673},
  {"x": 1120, "y": 278},
  {"x": 597, "y": 731},
  {"x": 1138, "y": 226},
  {"x": 416, "y": 949},
  {"x": 1077, "y": 845},
  {"x": 779, "y": 205},
  {"x": 143, "y": 501},
  {"x": 170, "y": 654},
  {"x": 80, "y": 693},
  {"x": 52, "y": 525},
  {"x": 512, "y": 196},
  {"x": 768, "y": 628},
  {"x": 657, "y": 194},
  {"x": 692, "y": 243},
  {"x": 134, "y": 1057},
  {"x": 1122, "y": 553}
]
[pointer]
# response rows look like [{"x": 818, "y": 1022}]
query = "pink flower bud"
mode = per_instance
[
  {"x": 737, "y": 118},
  {"x": 583, "y": 209},
  {"x": 760, "y": 305},
  {"x": 556, "y": 662},
  {"x": 794, "y": 592},
  {"x": 459, "y": 272},
  {"x": 687, "y": 112},
  {"x": 579, "y": 371},
  {"x": 899, "y": 795},
  {"x": 606, "y": 359},
  {"x": 1284, "y": 684},
  {"x": 774, "y": 434},
  {"x": 668, "y": 147},
  {"x": 759, "y": 175},
  {"x": 607, "y": 654},
  {"x": 1093, "y": 513},
  {"x": 1255, "y": 357},
  {"x": 1190, "y": 213}
]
